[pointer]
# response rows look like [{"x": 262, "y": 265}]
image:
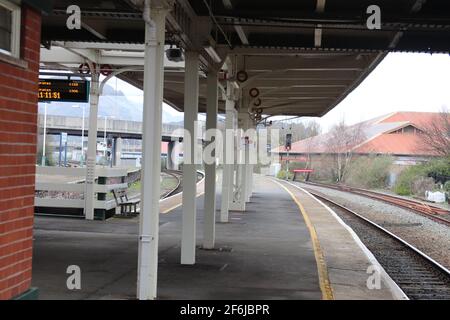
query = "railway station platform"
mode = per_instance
[{"x": 286, "y": 245}]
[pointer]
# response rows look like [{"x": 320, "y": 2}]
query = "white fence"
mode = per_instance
[{"x": 77, "y": 186}]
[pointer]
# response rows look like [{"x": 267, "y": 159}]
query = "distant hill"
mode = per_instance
[{"x": 112, "y": 103}]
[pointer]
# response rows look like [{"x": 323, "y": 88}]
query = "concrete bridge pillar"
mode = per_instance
[{"x": 173, "y": 151}]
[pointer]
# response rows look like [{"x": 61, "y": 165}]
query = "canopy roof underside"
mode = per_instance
[{"x": 304, "y": 57}]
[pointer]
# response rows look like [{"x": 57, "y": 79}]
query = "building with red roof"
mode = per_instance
[{"x": 398, "y": 134}]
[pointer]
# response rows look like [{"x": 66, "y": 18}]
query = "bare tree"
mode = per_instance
[
  {"x": 436, "y": 135},
  {"x": 341, "y": 144},
  {"x": 299, "y": 130}
]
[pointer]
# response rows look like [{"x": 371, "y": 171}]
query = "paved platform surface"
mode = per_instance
[
  {"x": 266, "y": 254},
  {"x": 347, "y": 261}
]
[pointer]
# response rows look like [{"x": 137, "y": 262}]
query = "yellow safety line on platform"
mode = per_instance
[
  {"x": 179, "y": 204},
  {"x": 171, "y": 208},
  {"x": 324, "y": 280}
]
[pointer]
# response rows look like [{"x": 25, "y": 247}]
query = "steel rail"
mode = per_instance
[
  {"x": 430, "y": 261},
  {"x": 424, "y": 209},
  {"x": 177, "y": 175}
]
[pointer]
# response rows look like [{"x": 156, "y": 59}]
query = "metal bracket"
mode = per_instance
[{"x": 146, "y": 238}]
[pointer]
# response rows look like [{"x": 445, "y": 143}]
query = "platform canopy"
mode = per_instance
[{"x": 302, "y": 57}]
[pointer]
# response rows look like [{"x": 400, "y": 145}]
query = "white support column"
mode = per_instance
[
  {"x": 235, "y": 166},
  {"x": 228, "y": 157},
  {"x": 191, "y": 87},
  {"x": 251, "y": 150},
  {"x": 246, "y": 159},
  {"x": 251, "y": 157},
  {"x": 118, "y": 151},
  {"x": 248, "y": 168},
  {"x": 238, "y": 200},
  {"x": 89, "y": 194},
  {"x": 209, "y": 221},
  {"x": 151, "y": 157}
]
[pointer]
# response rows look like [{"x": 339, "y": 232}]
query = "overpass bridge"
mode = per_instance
[
  {"x": 118, "y": 130},
  {"x": 298, "y": 58},
  {"x": 115, "y": 128}
]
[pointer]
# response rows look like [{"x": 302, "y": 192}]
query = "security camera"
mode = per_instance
[{"x": 175, "y": 54}]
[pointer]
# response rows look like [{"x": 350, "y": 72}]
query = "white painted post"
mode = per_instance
[
  {"x": 234, "y": 166},
  {"x": 251, "y": 149},
  {"x": 44, "y": 136},
  {"x": 228, "y": 168},
  {"x": 238, "y": 202},
  {"x": 151, "y": 157},
  {"x": 82, "y": 139},
  {"x": 191, "y": 86},
  {"x": 209, "y": 220},
  {"x": 246, "y": 175},
  {"x": 248, "y": 166},
  {"x": 118, "y": 151},
  {"x": 104, "y": 137},
  {"x": 89, "y": 195},
  {"x": 245, "y": 158}
]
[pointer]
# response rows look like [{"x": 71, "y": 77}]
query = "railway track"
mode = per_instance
[
  {"x": 418, "y": 275},
  {"x": 178, "y": 175},
  {"x": 438, "y": 214}
]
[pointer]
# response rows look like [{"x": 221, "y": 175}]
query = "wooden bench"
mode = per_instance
[
  {"x": 307, "y": 171},
  {"x": 126, "y": 205}
]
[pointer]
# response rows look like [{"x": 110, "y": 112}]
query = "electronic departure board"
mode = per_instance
[{"x": 63, "y": 90}]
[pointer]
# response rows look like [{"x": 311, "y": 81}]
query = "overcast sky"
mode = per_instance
[{"x": 401, "y": 82}]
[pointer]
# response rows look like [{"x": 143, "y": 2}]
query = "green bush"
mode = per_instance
[
  {"x": 48, "y": 158},
  {"x": 402, "y": 189},
  {"x": 282, "y": 175},
  {"x": 438, "y": 167},
  {"x": 447, "y": 186},
  {"x": 369, "y": 172},
  {"x": 297, "y": 165},
  {"x": 405, "y": 181}
]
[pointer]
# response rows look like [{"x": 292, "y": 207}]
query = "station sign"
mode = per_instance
[{"x": 63, "y": 90}]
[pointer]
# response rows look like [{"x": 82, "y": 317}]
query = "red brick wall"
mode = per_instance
[{"x": 18, "y": 127}]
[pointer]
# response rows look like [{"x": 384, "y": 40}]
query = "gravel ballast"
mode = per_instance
[{"x": 431, "y": 237}]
